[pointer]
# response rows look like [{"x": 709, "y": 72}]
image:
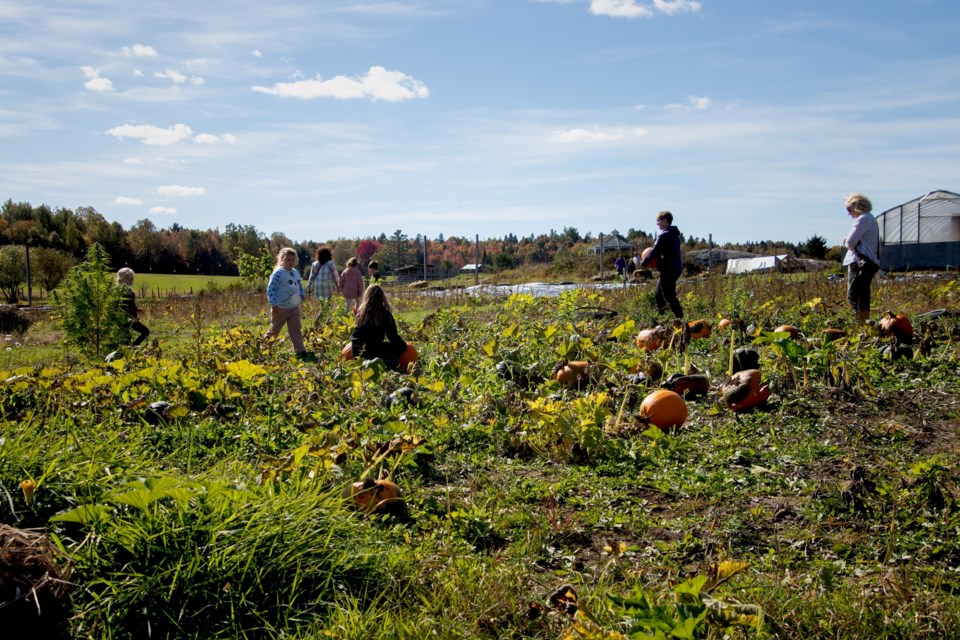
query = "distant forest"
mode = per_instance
[{"x": 175, "y": 249}]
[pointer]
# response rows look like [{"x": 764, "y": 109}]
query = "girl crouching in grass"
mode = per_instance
[
  {"x": 285, "y": 293},
  {"x": 375, "y": 333}
]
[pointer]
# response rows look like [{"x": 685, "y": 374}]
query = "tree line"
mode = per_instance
[{"x": 59, "y": 238}]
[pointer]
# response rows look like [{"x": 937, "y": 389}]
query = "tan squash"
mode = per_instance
[
  {"x": 789, "y": 328},
  {"x": 652, "y": 339},
  {"x": 572, "y": 374}
]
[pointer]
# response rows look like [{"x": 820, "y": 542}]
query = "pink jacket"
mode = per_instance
[{"x": 351, "y": 283}]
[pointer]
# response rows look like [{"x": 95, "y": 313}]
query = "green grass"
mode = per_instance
[
  {"x": 162, "y": 284},
  {"x": 218, "y": 516}
]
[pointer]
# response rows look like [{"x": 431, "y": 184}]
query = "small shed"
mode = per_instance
[
  {"x": 612, "y": 242},
  {"x": 923, "y": 233},
  {"x": 764, "y": 264},
  {"x": 411, "y": 272}
]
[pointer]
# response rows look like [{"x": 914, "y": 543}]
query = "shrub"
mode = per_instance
[
  {"x": 12, "y": 320},
  {"x": 91, "y": 306}
]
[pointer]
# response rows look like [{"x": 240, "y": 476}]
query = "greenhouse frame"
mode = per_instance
[{"x": 923, "y": 233}]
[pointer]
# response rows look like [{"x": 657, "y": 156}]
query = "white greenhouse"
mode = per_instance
[{"x": 923, "y": 233}]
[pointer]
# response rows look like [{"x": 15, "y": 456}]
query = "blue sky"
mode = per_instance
[{"x": 748, "y": 119}]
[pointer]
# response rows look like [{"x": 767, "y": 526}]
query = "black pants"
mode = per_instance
[
  {"x": 667, "y": 293},
  {"x": 859, "y": 278},
  {"x": 141, "y": 330}
]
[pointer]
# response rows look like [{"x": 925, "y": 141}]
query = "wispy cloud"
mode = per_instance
[
  {"x": 95, "y": 82},
  {"x": 176, "y": 77},
  {"x": 579, "y": 135},
  {"x": 123, "y": 200},
  {"x": 152, "y": 135},
  {"x": 179, "y": 191},
  {"x": 676, "y": 6},
  {"x": 377, "y": 84},
  {"x": 633, "y": 9},
  {"x": 209, "y": 138},
  {"x": 139, "y": 51},
  {"x": 163, "y": 211}
]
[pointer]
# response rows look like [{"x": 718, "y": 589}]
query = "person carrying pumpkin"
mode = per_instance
[
  {"x": 862, "y": 259},
  {"x": 375, "y": 331},
  {"x": 666, "y": 253}
]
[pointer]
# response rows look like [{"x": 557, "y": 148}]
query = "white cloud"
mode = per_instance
[
  {"x": 133, "y": 161},
  {"x": 137, "y": 73},
  {"x": 127, "y": 201},
  {"x": 209, "y": 138},
  {"x": 699, "y": 103},
  {"x": 171, "y": 74},
  {"x": 177, "y": 191},
  {"x": 580, "y": 135},
  {"x": 152, "y": 135},
  {"x": 675, "y": 6},
  {"x": 139, "y": 51},
  {"x": 163, "y": 211},
  {"x": 95, "y": 82},
  {"x": 377, "y": 84},
  {"x": 256, "y": 53},
  {"x": 620, "y": 9}
]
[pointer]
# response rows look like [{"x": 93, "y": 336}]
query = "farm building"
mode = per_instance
[
  {"x": 612, "y": 242},
  {"x": 471, "y": 268},
  {"x": 923, "y": 233},
  {"x": 764, "y": 264}
]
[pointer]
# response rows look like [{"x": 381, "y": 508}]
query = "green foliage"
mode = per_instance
[
  {"x": 255, "y": 270},
  {"x": 49, "y": 267},
  {"x": 91, "y": 308},
  {"x": 13, "y": 272}
]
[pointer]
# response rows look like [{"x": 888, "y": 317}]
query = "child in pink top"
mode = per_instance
[{"x": 351, "y": 284}]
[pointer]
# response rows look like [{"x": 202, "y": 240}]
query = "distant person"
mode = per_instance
[
  {"x": 375, "y": 333},
  {"x": 324, "y": 281},
  {"x": 373, "y": 268},
  {"x": 351, "y": 284},
  {"x": 621, "y": 266},
  {"x": 862, "y": 259},
  {"x": 125, "y": 280},
  {"x": 285, "y": 294},
  {"x": 666, "y": 251}
]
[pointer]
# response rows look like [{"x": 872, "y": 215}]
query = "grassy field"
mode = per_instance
[{"x": 195, "y": 485}]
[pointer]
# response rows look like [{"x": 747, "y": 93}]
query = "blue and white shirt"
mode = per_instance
[{"x": 285, "y": 289}]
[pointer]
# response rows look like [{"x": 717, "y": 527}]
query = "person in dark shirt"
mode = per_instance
[
  {"x": 125, "y": 280},
  {"x": 375, "y": 331},
  {"x": 666, "y": 252}
]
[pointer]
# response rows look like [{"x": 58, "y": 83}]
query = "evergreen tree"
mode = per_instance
[{"x": 91, "y": 306}]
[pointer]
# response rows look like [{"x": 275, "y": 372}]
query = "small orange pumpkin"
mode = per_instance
[
  {"x": 643, "y": 256},
  {"x": 374, "y": 496},
  {"x": 664, "y": 408},
  {"x": 789, "y": 328},
  {"x": 742, "y": 390},
  {"x": 652, "y": 339},
  {"x": 347, "y": 352},
  {"x": 897, "y": 325},
  {"x": 699, "y": 328},
  {"x": 571, "y": 374},
  {"x": 408, "y": 357}
]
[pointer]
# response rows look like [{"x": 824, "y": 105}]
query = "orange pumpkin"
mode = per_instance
[
  {"x": 652, "y": 339},
  {"x": 571, "y": 374},
  {"x": 408, "y": 357},
  {"x": 643, "y": 256},
  {"x": 347, "y": 352},
  {"x": 742, "y": 390},
  {"x": 374, "y": 496},
  {"x": 789, "y": 328},
  {"x": 897, "y": 325},
  {"x": 699, "y": 328},
  {"x": 664, "y": 408}
]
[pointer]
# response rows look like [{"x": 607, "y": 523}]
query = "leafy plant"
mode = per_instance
[{"x": 91, "y": 306}]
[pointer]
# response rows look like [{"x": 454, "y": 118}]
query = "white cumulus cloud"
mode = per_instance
[
  {"x": 256, "y": 53},
  {"x": 163, "y": 211},
  {"x": 139, "y": 51},
  {"x": 620, "y": 9},
  {"x": 137, "y": 73},
  {"x": 95, "y": 82},
  {"x": 580, "y": 135},
  {"x": 171, "y": 74},
  {"x": 152, "y": 135},
  {"x": 676, "y": 6},
  {"x": 127, "y": 201},
  {"x": 377, "y": 84},
  {"x": 177, "y": 191},
  {"x": 209, "y": 138}
]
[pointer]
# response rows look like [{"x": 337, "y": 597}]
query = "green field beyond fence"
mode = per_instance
[{"x": 158, "y": 285}]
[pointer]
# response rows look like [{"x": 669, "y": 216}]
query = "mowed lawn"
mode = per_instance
[{"x": 174, "y": 283}]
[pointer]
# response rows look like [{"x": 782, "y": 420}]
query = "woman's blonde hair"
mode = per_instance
[
  {"x": 353, "y": 262},
  {"x": 284, "y": 253},
  {"x": 374, "y": 307},
  {"x": 125, "y": 276},
  {"x": 859, "y": 202}
]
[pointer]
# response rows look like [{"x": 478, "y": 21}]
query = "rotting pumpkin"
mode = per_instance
[
  {"x": 663, "y": 408},
  {"x": 699, "y": 329},
  {"x": 375, "y": 497},
  {"x": 897, "y": 325},
  {"x": 572, "y": 374},
  {"x": 743, "y": 391},
  {"x": 652, "y": 339}
]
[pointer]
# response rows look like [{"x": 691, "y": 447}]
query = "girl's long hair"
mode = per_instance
[{"x": 374, "y": 308}]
